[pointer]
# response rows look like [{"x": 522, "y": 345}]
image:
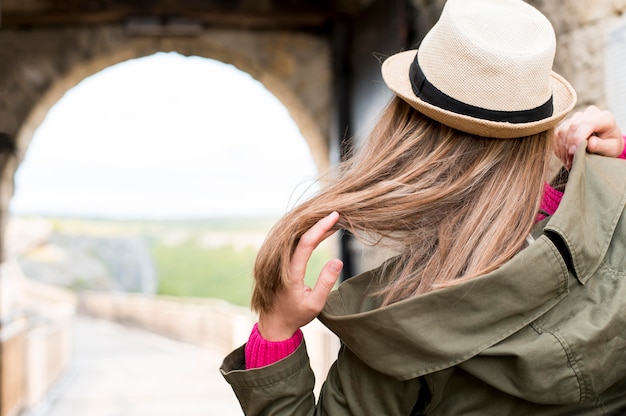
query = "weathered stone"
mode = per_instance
[
  {"x": 580, "y": 59},
  {"x": 569, "y": 15},
  {"x": 588, "y": 11},
  {"x": 619, "y": 6}
]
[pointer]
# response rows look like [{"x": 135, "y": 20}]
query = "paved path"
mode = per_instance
[{"x": 120, "y": 371}]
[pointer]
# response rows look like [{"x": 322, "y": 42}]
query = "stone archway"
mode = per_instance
[
  {"x": 40, "y": 66},
  {"x": 293, "y": 67}
]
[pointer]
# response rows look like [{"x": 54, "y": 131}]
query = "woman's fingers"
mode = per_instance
[
  {"x": 612, "y": 148},
  {"x": 309, "y": 242},
  {"x": 296, "y": 304},
  {"x": 597, "y": 127},
  {"x": 575, "y": 130}
]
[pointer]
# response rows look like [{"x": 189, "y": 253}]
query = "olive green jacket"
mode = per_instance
[{"x": 545, "y": 334}]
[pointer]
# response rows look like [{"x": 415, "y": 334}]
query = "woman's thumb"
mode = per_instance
[{"x": 326, "y": 281}]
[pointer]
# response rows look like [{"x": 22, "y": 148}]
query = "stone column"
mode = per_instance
[{"x": 13, "y": 328}]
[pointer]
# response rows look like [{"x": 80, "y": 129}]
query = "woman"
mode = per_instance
[{"x": 483, "y": 310}]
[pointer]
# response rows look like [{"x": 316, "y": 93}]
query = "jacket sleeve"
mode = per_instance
[
  {"x": 286, "y": 387},
  {"x": 282, "y": 388}
]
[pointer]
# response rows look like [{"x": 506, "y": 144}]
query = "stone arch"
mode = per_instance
[
  {"x": 293, "y": 67},
  {"x": 304, "y": 118}
]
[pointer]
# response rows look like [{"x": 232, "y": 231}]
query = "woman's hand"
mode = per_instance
[
  {"x": 597, "y": 127},
  {"x": 297, "y": 304}
]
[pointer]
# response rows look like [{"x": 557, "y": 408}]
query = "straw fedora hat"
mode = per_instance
[{"x": 485, "y": 68}]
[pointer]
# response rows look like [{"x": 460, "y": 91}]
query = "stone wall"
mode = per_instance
[{"x": 582, "y": 27}]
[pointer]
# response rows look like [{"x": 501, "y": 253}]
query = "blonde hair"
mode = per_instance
[{"x": 454, "y": 205}]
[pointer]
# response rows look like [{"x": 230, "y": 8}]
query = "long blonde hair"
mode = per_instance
[{"x": 454, "y": 205}]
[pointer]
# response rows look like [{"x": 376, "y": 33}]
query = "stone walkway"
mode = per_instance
[{"x": 121, "y": 371}]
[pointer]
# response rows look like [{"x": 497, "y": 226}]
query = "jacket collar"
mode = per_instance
[
  {"x": 440, "y": 329},
  {"x": 592, "y": 205}
]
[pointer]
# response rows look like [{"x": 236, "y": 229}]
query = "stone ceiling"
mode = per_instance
[{"x": 312, "y": 15}]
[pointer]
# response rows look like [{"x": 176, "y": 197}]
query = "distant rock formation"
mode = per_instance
[{"x": 84, "y": 262}]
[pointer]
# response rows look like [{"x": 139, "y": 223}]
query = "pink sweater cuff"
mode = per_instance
[
  {"x": 261, "y": 352},
  {"x": 552, "y": 198},
  {"x": 549, "y": 202}
]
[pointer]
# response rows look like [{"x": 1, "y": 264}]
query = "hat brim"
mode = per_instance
[{"x": 395, "y": 71}]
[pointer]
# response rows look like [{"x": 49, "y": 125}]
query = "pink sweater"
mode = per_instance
[{"x": 260, "y": 352}]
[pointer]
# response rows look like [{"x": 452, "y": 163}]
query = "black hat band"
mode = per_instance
[{"x": 432, "y": 95}]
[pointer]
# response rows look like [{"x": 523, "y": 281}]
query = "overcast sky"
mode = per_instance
[{"x": 165, "y": 136}]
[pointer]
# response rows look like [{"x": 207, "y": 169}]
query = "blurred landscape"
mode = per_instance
[{"x": 209, "y": 258}]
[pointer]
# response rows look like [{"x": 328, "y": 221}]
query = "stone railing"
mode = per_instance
[
  {"x": 13, "y": 393},
  {"x": 49, "y": 341},
  {"x": 210, "y": 323},
  {"x": 35, "y": 339}
]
